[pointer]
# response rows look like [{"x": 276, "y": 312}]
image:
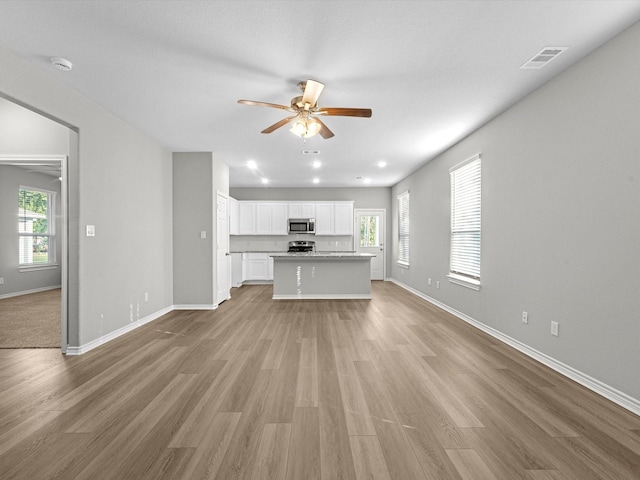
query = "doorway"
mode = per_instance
[
  {"x": 369, "y": 238},
  {"x": 37, "y": 269}
]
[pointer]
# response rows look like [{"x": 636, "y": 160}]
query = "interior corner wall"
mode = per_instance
[
  {"x": 193, "y": 213},
  {"x": 560, "y": 230},
  {"x": 119, "y": 182}
]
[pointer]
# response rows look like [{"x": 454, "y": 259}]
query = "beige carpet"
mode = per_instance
[{"x": 31, "y": 321}]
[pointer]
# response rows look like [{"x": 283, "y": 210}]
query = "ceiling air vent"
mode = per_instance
[{"x": 543, "y": 57}]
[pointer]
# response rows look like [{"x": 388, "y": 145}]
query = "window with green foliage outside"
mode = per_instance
[
  {"x": 369, "y": 236},
  {"x": 36, "y": 226}
]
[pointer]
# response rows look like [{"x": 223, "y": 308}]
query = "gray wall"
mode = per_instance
[
  {"x": 192, "y": 213},
  {"x": 11, "y": 178},
  {"x": 118, "y": 182},
  {"x": 560, "y": 230},
  {"x": 197, "y": 177}
]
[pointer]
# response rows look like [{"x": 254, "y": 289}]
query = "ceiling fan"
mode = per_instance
[{"x": 306, "y": 109}]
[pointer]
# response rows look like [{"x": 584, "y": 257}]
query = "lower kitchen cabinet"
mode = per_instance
[
  {"x": 236, "y": 270},
  {"x": 257, "y": 266}
]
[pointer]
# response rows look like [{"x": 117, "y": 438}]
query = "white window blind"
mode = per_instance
[
  {"x": 466, "y": 219},
  {"x": 403, "y": 228}
]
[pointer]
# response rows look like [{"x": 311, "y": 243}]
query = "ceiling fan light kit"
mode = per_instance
[{"x": 305, "y": 107}]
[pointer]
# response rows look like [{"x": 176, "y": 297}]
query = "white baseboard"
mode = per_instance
[
  {"x": 195, "y": 307},
  {"x": 117, "y": 333},
  {"x": 608, "y": 392},
  {"x": 330, "y": 296},
  {"x": 27, "y": 292}
]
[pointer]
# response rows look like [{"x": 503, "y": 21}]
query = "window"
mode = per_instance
[
  {"x": 369, "y": 231},
  {"x": 465, "y": 223},
  {"x": 403, "y": 229},
  {"x": 36, "y": 227}
]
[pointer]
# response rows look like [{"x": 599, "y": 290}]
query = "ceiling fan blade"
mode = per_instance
[
  {"x": 279, "y": 124},
  {"x": 345, "y": 112},
  {"x": 324, "y": 131},
  {"x": 312, "y": 91},
  {"x": 265, "y": 104}
]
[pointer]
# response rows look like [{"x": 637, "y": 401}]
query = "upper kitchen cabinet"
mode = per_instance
[
  {"x": 233, "y": 216},
  {"x": 302, "y": 210},
  {"x": 343, "y": 218},
  {"x": 334, "y": 218},
  {"x": 246, "y": 218},
  {"x": 271, "y": 218}
]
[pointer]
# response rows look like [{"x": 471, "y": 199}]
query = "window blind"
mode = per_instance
[
  {"x": 403, "y": 228},
  {"x": 466, "y": 218}
]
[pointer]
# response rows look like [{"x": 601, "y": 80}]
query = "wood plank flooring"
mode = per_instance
[{"x": 392, "y": 388}]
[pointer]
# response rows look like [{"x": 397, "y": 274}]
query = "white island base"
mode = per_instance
[{"x": 316, "y": 276}]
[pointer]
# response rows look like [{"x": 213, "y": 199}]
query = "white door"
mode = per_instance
[
  {"x": 369, "y": 238},
  {"x": 222, "y": 250}
]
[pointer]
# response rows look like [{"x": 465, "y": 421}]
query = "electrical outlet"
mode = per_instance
[
  {"x": 525, "y": 317},
  {"x": 429, "y": 282},
  {"x": 554, "y": 328},
  {"x": 1, "y": 280},
  {"x": 146, "y": 296},
  {"x": 438, "y": 284}
]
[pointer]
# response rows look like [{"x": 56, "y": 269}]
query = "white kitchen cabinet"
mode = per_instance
[
  {"x": 246, "y": 218},
  {"x": 324, "y": 218},
  {"x": 255, "y": 266},
  {"x": 343, "y": 218},
  {"x": 236, "y": 270},
  {"x": 279, "y": 217},
  {"x": 233, "y": 216},
  {"x": 302, "y": 210},
  {"x": 271, "y": 218},
  {"x": 334, "y": 218},
  {"x": 263, "y": 218}
]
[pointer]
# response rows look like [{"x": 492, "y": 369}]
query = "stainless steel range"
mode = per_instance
[{"x": 302, "y": 246}]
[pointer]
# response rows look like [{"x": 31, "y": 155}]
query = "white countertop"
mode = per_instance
[{"x": 312, "y": 255}]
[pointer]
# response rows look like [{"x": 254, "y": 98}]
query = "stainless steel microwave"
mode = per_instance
[{"x": 302, "y": 225}]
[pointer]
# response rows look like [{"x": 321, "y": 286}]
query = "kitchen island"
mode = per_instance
[{"x": 330, "y": 275}]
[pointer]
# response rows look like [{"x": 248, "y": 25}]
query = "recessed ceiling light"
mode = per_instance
[
  {"x": 317, "y": 164},
  {"x": 265, "y": 180},
  {"x": 61, "y": 63},
  {"x": 252, "y": 165},
  {"x": 316, "y": 180},
  {"x": 382, "y": 164}
]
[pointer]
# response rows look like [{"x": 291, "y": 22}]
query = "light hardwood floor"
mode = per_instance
[{"x": 261, "y": 389}]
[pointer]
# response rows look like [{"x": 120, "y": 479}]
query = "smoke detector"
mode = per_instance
[{"x": 61, "y": 63}]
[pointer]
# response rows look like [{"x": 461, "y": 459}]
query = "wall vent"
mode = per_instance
[{"x": 543, "y": 57}]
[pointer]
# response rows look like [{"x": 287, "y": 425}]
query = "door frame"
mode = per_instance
[
  {"x": 218, "y": 300},
  {"x": 383, "y": 239},
  {"x": 63, "y": 160}
]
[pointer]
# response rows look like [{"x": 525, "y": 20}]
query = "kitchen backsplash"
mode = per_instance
[{"x": 270, "y": 243}]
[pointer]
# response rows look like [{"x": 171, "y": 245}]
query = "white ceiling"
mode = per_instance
[{"x": 431, "y": 71}]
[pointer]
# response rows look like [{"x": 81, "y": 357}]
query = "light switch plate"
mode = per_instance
[{"x": 91, "y": 230}]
